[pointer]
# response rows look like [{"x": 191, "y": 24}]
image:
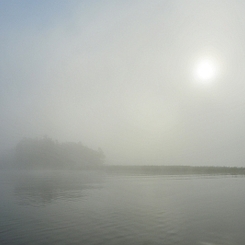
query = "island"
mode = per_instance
[{"x": 46, "y": 153}]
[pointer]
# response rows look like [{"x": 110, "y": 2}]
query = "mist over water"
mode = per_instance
[{"x": 122, "y": 122}]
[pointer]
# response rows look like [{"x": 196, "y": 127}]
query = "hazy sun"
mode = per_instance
[{"x": 205, "y": 70}]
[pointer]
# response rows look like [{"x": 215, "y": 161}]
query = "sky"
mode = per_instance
[{"x": 157, "y": 82}]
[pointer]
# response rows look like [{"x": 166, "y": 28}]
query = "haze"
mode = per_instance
[{"x": 120, "y": 75}]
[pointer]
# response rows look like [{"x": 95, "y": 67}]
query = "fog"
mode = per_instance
[{"x": 120, "y": 75}]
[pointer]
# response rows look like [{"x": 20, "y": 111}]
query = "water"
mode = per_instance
[{"x": 95, "y": 208}]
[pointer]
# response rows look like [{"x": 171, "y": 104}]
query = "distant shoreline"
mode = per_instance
[{"x": 174, "y": 170}]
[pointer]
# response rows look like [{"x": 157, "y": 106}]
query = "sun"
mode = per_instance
[{"x": 205, "y": 70}]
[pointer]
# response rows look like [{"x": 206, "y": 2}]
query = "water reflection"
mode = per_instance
[
  {"x": 89, "y": 208},
  {"x": 41, "y": 188}
]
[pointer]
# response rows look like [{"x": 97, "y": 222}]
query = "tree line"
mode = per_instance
[{"x": 175, "y": 170}]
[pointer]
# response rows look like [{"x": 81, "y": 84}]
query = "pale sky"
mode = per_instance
[{"x": 148, "y": 81}]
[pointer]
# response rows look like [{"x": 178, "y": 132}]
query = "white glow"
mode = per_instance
[{"x": 206, "y": 70}]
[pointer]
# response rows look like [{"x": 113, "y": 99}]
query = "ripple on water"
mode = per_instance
[{"x": 83, "y": 209}]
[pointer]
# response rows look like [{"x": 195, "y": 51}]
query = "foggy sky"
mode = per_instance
[{"x": 119, "y": 75}]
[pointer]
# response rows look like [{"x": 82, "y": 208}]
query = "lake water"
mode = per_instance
[{"x": 98, "y": 208}]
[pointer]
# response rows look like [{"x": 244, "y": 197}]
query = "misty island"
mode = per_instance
[{"x": 46, "y": 153}]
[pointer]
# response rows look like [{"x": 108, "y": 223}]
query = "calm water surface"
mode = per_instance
[{"x": 95, "y": 208}]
